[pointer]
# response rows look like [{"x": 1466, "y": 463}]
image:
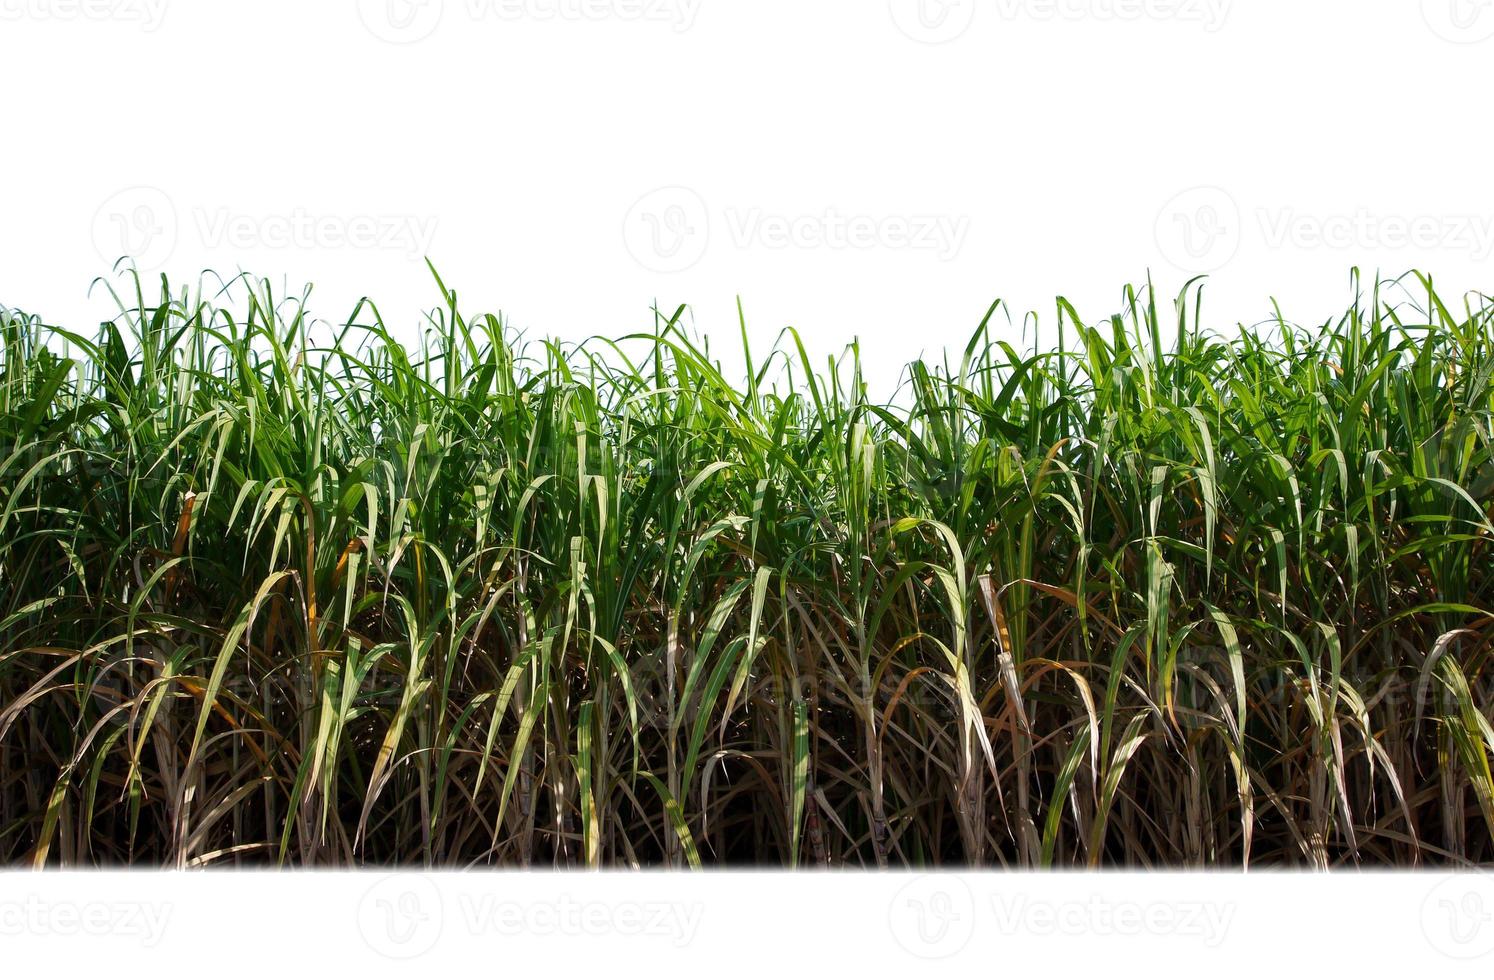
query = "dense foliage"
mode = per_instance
[{"x": 1151, "y": 596}]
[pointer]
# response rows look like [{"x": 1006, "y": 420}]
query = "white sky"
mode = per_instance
[{"x": 1040, "y": 150}]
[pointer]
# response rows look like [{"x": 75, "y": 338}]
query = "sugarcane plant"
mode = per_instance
[{"x": 275, "y": 591}]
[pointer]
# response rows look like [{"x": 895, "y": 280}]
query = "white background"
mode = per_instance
[
  {"x": 747, "y": 925},
  {"x": 849, "y": 168},
  {"x": 522, "y": 144}
]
